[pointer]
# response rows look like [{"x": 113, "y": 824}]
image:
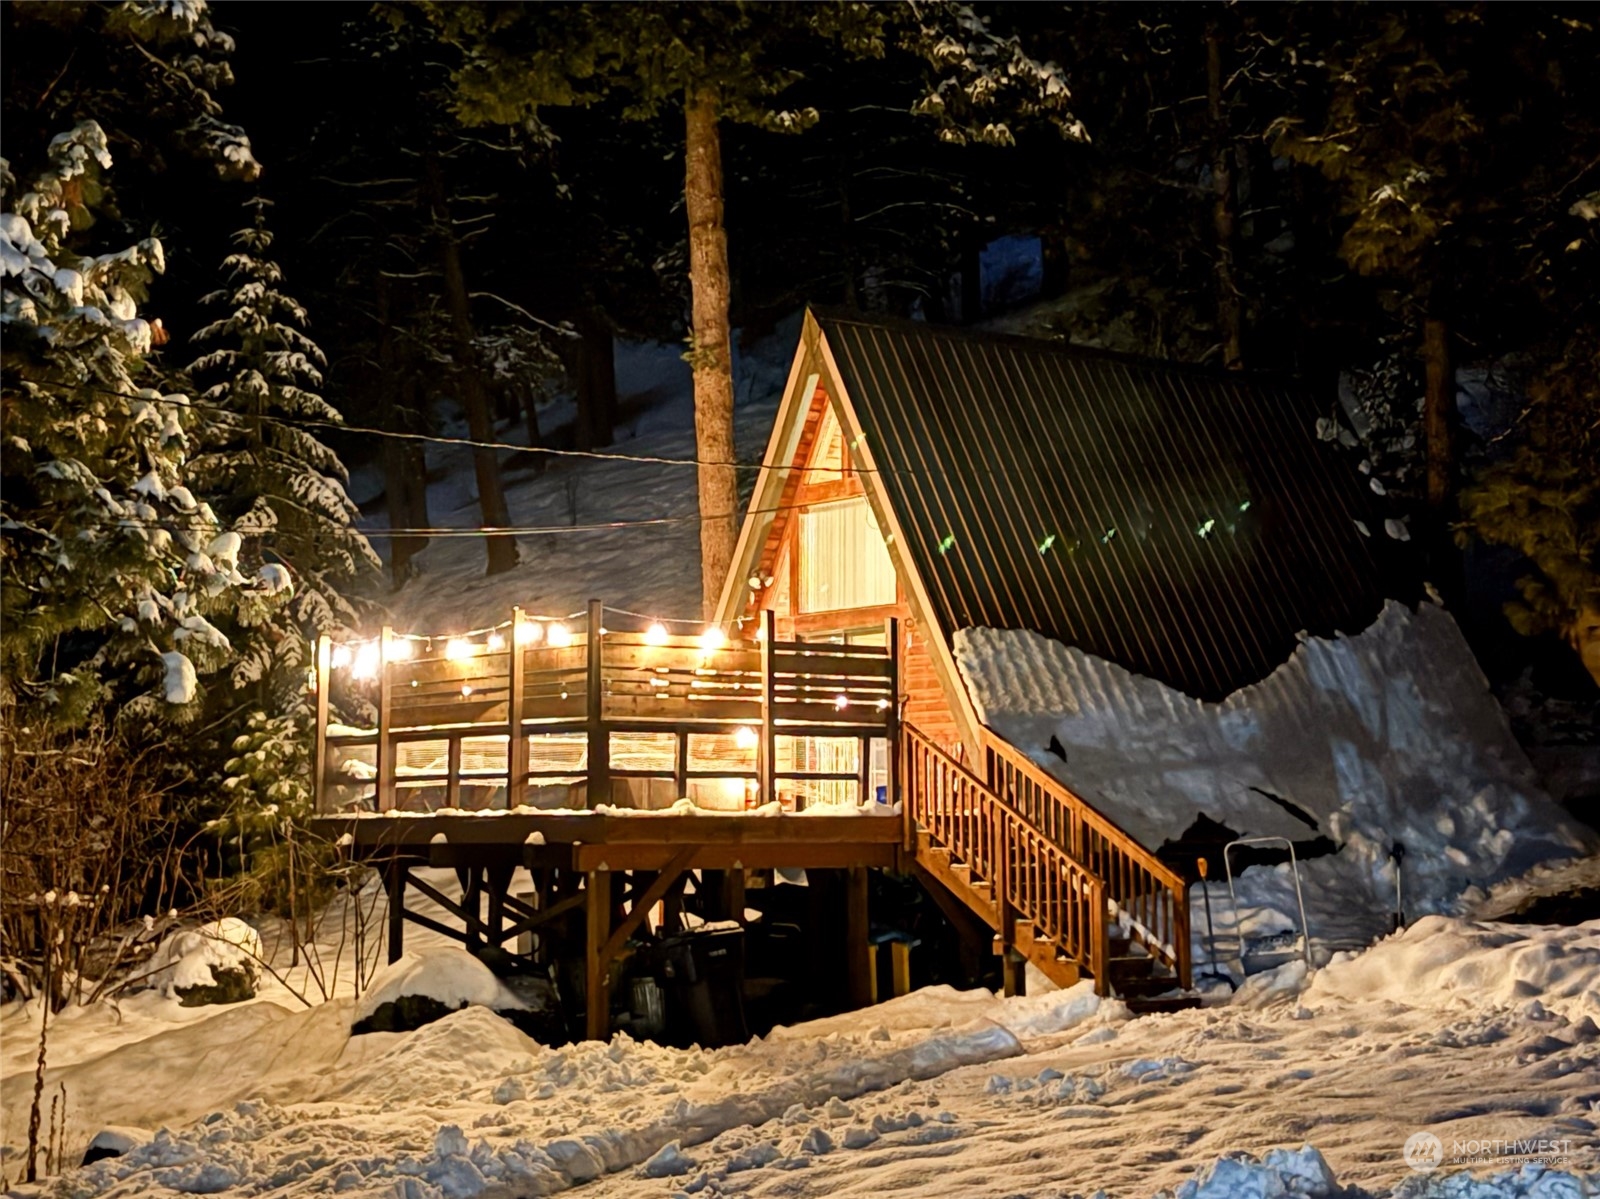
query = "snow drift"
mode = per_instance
[{"x": 1386, "y": 736}]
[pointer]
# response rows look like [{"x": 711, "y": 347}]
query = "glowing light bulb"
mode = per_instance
[
  {"x": 744, "y": 737},
  {"x": 496, "y": 642},
  {"x": 365, "y": 665},
  {"x": 656, "y": 634},
  {"x": 400, "y": 649},
  {"x": 341, "y": 657},
  {"x": 558, "y": 635},
  {"x": 841, "y": 702},
  {"x": 883, "y": 705},
  {"x": 466, "y": 689},
  {"x": 458, "y": 648},
  {"x": 530, "y": 633},
  {"x": 712, "y": 639}
]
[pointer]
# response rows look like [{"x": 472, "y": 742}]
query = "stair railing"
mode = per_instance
[
  {"x": 1151, "y": 896},
  {"x": 1033, "y": 877}
]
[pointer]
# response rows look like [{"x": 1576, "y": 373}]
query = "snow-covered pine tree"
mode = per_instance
[
  {"x": 109, "y": 564},
  {"x": 281, "y": 491}
]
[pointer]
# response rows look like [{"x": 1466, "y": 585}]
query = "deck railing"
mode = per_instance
[
  {"x": 542, "y": 720},
  {"x": 1151, "y": 896},
  {"x": 1031, "y": 876}
]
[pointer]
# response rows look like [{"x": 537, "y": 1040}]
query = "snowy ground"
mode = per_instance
[{"x": 1473, "y": 1032}]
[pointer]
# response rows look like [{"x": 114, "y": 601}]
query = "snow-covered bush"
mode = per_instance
[{"x": 218, "y": 962}]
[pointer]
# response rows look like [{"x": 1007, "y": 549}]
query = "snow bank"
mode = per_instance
[
  {"x": 1389, "y": 735},
  {"x": 452, "y": 976},
  {"x": 1450, "y": 962}
]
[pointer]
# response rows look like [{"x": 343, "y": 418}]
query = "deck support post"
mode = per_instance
[
  {"x": 597, "y": 989},
  {"x": 1014, "y": 973},
  {"x": 599, "y": 784},
  {"x": 384, "y": 799},
  {"x": 891, "y": 733},
  {"x": 395, "y": 873},
  {"x": 858, "y": 964},
  {"x": 498, "y": 879},
  {"x": 517, "y": 743},
  {"x": 319, "y": 758},
  {"x": 767, "y": 757}
]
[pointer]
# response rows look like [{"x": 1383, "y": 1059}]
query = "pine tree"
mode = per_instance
[
  {"x": 110, "y": 564},
  {"x": 720, "y": 63},
  {"x": 281, "y": 491}
]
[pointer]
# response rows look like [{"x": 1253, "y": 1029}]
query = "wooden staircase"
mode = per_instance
[{"x": 1060, "y": 885}]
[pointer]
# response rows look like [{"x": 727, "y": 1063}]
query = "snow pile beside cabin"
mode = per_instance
[{"x": 1386, "y": 736}]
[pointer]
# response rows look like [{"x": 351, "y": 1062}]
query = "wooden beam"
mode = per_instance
[
  {"x": 517, "y": 746},
  {"x": 396, "y": 872},
  {"x": 384, "y": 799},
  {"x": 858, "y": 964},
  {"x": 815, "y": 856},
  {"x": 498, "y": 879},
  {"x": 597, "y": 989},
  {"x": 452, "y": 786},
  {"x": 319, "y": 760},
  {"x": 669, "y": 877},
  {"x": 767, "y": 756},
  {"x": 891, "y": 632},
  {"x": 543, "y": 916},
  {"x": 599, "y": 783}
]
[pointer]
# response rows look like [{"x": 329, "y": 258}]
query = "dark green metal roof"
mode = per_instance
[{"x": 1184, "y": 524}]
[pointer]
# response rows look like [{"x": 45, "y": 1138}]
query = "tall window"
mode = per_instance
[{"x": 843, "y": 560}]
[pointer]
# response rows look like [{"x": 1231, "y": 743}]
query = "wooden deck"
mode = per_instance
[{"x": 559, "y": 760}]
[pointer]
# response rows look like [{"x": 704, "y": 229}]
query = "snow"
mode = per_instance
[
  {"x": 1386, "y": 736},
  {"x": 180, "y": 681},
  {"x": 1288, "y": 1091},
  {"x": 1453, "y": 963},
  {"x": 452, "y": 976},
  {"x": 190, "y": 958}
]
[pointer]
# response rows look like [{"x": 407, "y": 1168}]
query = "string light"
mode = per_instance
[
  {"x": 841, "y": 702},
  {"x": 656, "y": 634},
  {"x": 530, "y": 633},
  {"x": 458, "y": 648},
  {"x": 466, "y": 690},
  {"x": 341, "y": 657},
  {"x": 366, "y": 661},
  {"x": 400, "y": 649},
  {"x": 712, "y": 639},
  {"x": 496, "y": 642},
  {"x": 558, "y": 636},
  {"x": 744, "y": 737}
]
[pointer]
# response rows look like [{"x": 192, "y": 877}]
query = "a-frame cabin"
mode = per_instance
[{"x": 1182, "y": 523}]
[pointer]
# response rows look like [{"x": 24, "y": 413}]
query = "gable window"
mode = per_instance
[{"x": 843, "y": 560}]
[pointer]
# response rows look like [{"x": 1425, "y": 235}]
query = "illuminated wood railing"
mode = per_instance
[
  {"x": 1149, "y": 894},
  {"x": 1030, "y": 876},
  {"x": 562, "y": 725}
]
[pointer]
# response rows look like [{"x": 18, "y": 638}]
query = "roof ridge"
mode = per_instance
[{"x": 832, "y": 314}]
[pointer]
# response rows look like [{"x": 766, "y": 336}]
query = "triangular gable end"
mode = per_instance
[{"x": 814, "y": 392}]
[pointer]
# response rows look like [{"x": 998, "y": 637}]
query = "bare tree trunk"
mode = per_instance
[
  {"x": 399, "y": 481},
  {"x": 1230, "y": 313},
  {"x": 712, "y": 357},
  {"x": 1438, "y": 415},
  {"x": 502, "y": 549},
  {"x": 594, "y": 371}
]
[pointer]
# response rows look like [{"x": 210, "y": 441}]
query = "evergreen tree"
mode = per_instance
[
  {"x": 274, "y": 482},
  {"x": 111, "y": 564}
]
